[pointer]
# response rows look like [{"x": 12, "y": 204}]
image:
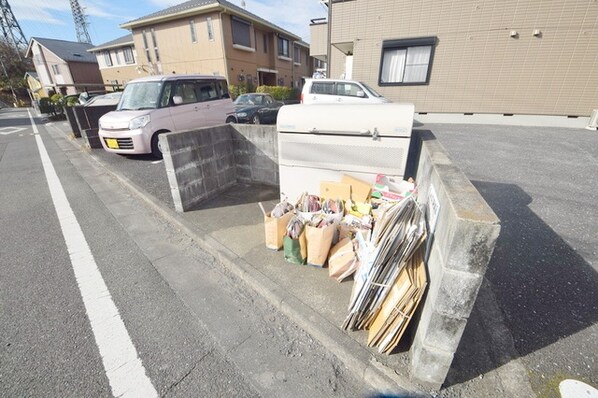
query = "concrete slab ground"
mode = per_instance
[{"x": 535, "y": 320}]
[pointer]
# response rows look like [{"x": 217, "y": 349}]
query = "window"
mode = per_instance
[
  {"x": 241, "y": 34},
  {"x": 297, "y": 55},
  {"x": 283, "y": 47},
  {"x": 322, "y": 88},
  {"x": 117, "y": 57},
  {"x": 186, "y": 90},
  {"x": 210, "y": 29},
  {"x": 223, "y": 89},
  {"x": 265, "y": 42},
  {"x": 406, "y": 62},
  {"x": 347, "y": 89},
  {"x": 145, "y": 46},
  {"x": 165, "y": 98},
  {"x": 338, "y": 88},
  {"x": 207, "y": 91},
  {"x": 193, "y": 33},
  {"x": 55, "y": 69},
  {"x": 107, "y": 58},
  {"x": 128, "y": 53},
  {"x": 156, "y": 53}
]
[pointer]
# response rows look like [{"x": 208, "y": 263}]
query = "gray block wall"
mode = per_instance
[
  {"x": 199, "y": 164},
  {"x": 461, "y": 247},
  {"x": 204, "y": 162},
  {"x": 256, "y": 153}
]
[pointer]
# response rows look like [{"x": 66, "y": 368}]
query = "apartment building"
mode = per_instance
[
  {"x": 117, "y": 60},
  {"x": 505, "y": 57},
  {"x": 220, "y": 38},
  {"x": 64, "y": 66}
]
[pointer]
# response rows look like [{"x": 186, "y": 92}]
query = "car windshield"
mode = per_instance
[
  {"x": 249, "y": 99},
  {"x": 137, "y": 96},
  {"x": 371, "y": 90}
]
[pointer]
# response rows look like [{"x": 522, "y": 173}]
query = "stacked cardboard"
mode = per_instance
[
  {"x": 397, "y": 235},
  {"x": 380, "y": 234}
]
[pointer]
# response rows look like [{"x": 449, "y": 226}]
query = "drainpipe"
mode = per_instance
[
  {"x": 328, "y": 54},
  {"x": 226, "y": 71}
]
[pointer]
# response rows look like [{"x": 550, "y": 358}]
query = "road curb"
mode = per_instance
[{"x": 357, "y": 359}]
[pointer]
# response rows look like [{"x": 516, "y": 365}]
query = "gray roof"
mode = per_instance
[
  {"x": 70, "y": 51},
  {"x": 190, "y": 5},
  {"x": 126, "y": 39},
  {"x": 32, "y": 74}
]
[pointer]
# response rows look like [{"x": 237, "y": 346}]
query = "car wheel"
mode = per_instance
[
  {"x": 256, "y": 119},
  {"x": 156, "y": 147},
  {"x": 231, "y": 119}
]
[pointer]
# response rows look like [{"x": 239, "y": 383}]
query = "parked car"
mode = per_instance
[
  {"x": 105, "y": 99},
  {"x": 334, "y": 91},
  {"x": 86, "y": 96},
  {"x": 255, "y": 108},
  {"x": 153, "y": 105}
]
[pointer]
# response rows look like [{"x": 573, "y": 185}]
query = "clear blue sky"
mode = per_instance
[{"x": 53, "y": 19}]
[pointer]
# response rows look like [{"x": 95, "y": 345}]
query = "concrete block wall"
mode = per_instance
[
  {"x": 256, "y": 153},
  {"x": 199, "y": 164},
  {"x": 462, "y": 243},
  {"x": 202, "y": 163}
]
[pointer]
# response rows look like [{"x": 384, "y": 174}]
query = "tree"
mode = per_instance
[{"x": 13, "y": 66}]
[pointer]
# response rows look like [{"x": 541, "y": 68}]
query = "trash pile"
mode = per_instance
[{"x": 374, "y": 232}]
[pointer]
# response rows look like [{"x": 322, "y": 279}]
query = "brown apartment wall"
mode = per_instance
[
  {"x": 178, "y": 53},
  {"x": 477, "y": 66},
  {"x": 85, "y": 73},
  {"x": 242, "y": 62}
]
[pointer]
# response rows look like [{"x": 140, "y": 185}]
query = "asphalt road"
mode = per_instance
[{"x": 219, "y": 340}]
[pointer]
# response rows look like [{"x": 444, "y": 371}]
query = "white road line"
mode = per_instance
[{"x": 123, "y": 367}]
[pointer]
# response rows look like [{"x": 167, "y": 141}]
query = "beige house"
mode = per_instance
[
  {"x": 217, "y": 37},
  {"x": 505, "y": 57},
  {"x": 117, "y": 60},
  {"x": 64, "y": 66}
]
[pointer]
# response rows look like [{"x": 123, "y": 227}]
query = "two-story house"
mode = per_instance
[
  {"x": 117, "y": 60},
  {"x": 64, "y": 66},
  {"x": 220, "y": 38}
]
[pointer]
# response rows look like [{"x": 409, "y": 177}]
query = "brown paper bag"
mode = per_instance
[
  {"x": 275, "y": 229},
  {"x": 342, "y": 261},
  {"x": 319, "y": 241}
]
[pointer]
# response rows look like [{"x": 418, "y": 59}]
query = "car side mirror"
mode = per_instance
[
  {"x": 177, "y": 100},
  {"x": 360, "y": 93}
]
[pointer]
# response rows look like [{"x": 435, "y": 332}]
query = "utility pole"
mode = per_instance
[{"x": 80, "y": 22}]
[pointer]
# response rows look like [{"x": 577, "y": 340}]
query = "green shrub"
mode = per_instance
[
  {"x": 72, "y": 101},
  {"x": 45, "y": 105},
  {"x": 280, "y": 93},
  {"x": 242, "y": 88}
]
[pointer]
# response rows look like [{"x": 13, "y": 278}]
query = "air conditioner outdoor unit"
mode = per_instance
[
  {"x": 322, "y": 142},
  {"x": 593, "y": 124}
]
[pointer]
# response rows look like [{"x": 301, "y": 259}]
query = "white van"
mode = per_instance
[
  {"x": 153, "y": 105},
  {"x": 335, "y": 91}
]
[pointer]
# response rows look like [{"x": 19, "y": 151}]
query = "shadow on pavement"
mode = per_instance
[
  {"x": 545, "y": 290},
  {"x": 241, "y": 194}
]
